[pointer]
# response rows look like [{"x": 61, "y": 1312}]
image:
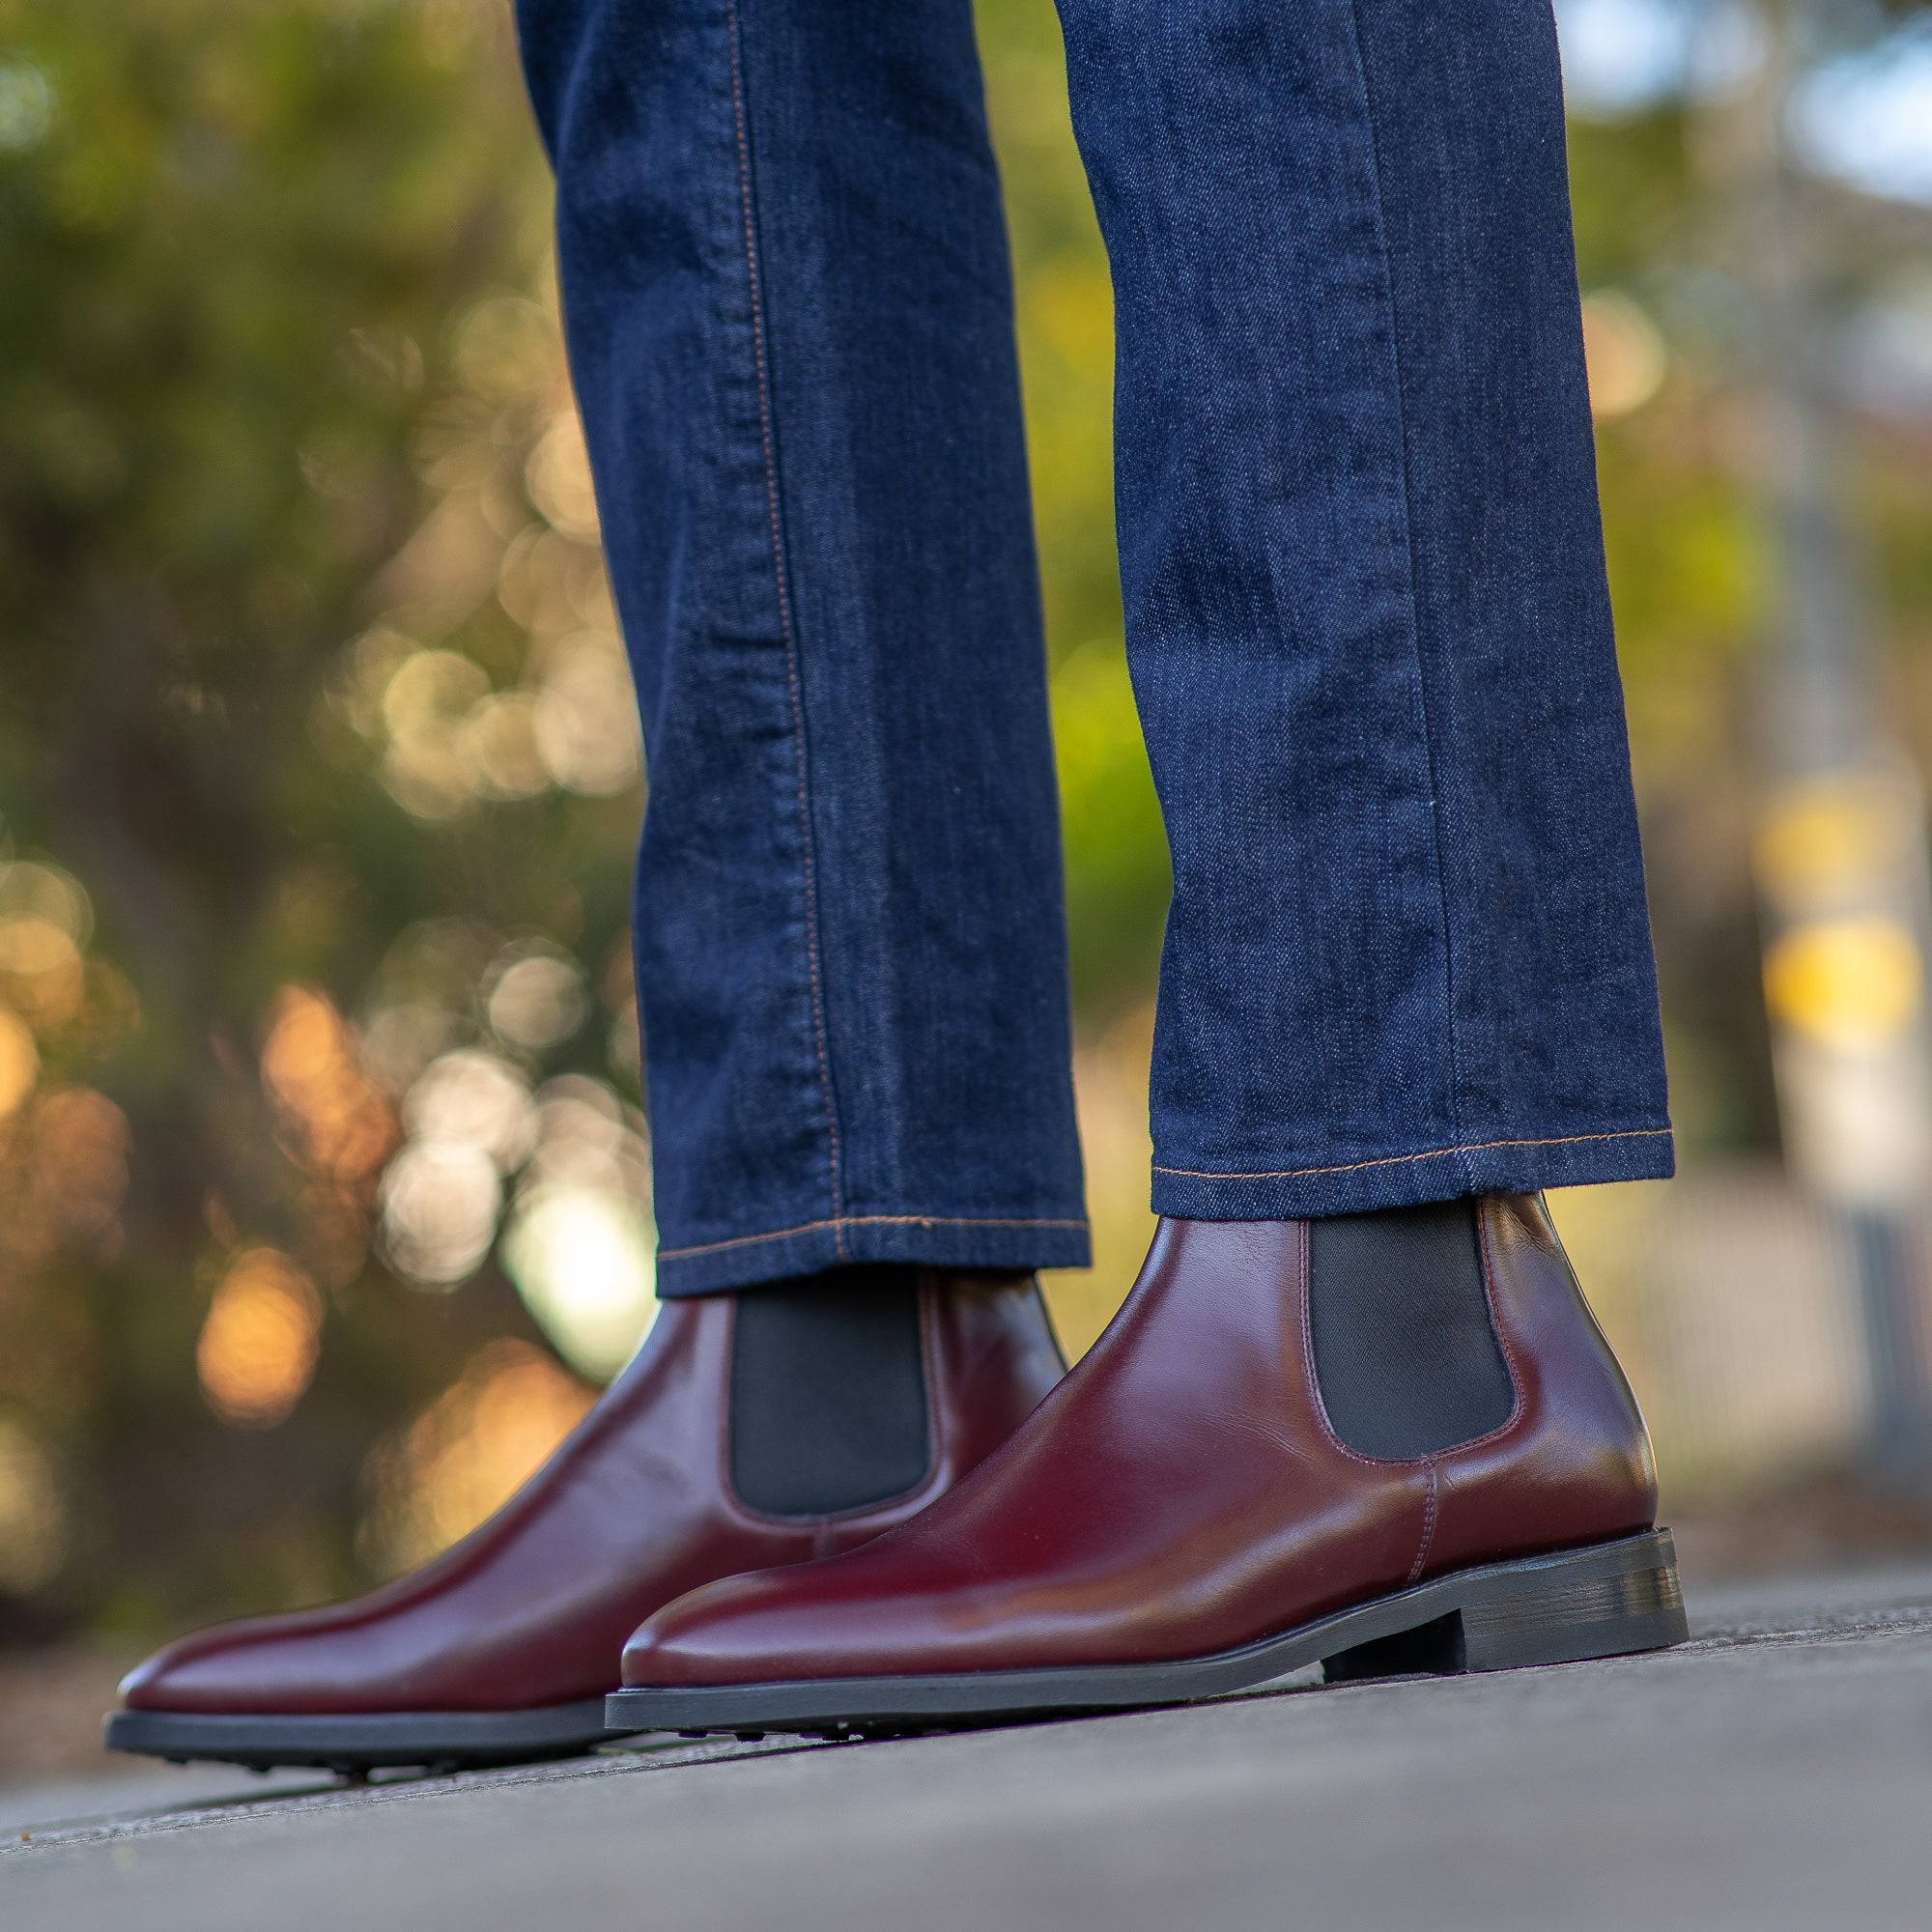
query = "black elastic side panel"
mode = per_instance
[
  {"x": 828, "y": 1392},
  {"x": 1404, "y": 1352}
]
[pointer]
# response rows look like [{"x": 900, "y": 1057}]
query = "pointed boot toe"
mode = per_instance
[{"x": 505, "y": 1646}]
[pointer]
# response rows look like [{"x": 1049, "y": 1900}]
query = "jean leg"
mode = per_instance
[
  {"x": 788, "y": 311},
  {"x": 1408, "y": 955}
]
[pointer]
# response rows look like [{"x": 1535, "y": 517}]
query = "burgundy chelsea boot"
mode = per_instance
[
  {"x": 710, "y": 1454},
  {"x": 1238, "y": 1480}
]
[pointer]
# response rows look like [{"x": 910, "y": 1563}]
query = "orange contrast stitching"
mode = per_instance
[
  {"x": 1428, "y": 1526},
  {"x": 1399, "y": 1159},
  {"x": 844, "y": 1221}
]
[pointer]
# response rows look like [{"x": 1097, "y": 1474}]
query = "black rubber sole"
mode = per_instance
[
  {"x": 1605, "y": 1600},
  {"x": 432, "y": 1740}
]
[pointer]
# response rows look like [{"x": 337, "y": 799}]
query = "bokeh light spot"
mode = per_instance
[
  {"x": 1852, "y": 983},
  {"x": 536, "y": 996},
  {"x": 587, "y": 716},
  {"x": 20, "y": 1062},
  {"x": 557, "y": 477},
  {"x": 472, "y": 1099},
  {"x": 259, "y": 1341},
  {"x": 499, "y": 742},
  {"x": 467, "y": 1453},
  {"x": 1625, "y": 354},
  {"x": 585, "y": 1261},
  {"x": 333, "y": 1117},
  {"x": 439, "y": 1203}
]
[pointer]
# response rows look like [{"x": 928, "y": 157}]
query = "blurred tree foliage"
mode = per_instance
[
  {"x": 306, "y": 759},
  {"x": 279, "y": 407}
]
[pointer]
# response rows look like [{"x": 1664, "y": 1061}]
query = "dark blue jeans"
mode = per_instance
[{"x": 1407, "y": 956}]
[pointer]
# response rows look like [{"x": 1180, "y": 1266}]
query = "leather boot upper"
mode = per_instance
[
  {"x": 1181, "y": 1492},
  {"x": 634, "y": 1509}
]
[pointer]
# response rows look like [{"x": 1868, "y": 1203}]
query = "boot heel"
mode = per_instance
[{"x": 1604, "y": 1602}]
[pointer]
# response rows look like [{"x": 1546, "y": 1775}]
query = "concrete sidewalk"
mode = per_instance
[{"x": 1775, "y": 1773}]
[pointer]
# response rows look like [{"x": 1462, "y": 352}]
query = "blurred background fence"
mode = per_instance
[{"x": 324, "y": 1185}]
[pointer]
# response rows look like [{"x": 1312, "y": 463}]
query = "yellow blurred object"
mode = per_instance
[
  {"x": 1625, "y": 354},
  {"x": 259, "y": 1341},
  {"x": 585, "y": 720},
  {"x": 20, "y": 1062},
  {"x": 558, "y": 479},
  {"x": 333, "y": 1115},
  {"x": 1830, "y": 837},
  {"x": 584, "y": 1260},
  {"x": 427, "y": 706},
  {"x": 32, "y": 947},
  {"x": 33, "y": 890},
  {"x": 33, "y": 1538},
  {"x": 467, "y": 1453},
  {"x": 500, "y": 743},
  {"x": 429, "y": 689},
  {"x": 1851, "y": 983},
  {"x": 1841, "y": 864},
  {"x": 41, "y": 970}
]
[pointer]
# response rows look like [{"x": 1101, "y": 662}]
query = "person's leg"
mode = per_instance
[
  {"x": 1408, "y": 957},
  {"x": 1348, "y": 1412},
  {"x": 787, "y": 295},
  {"x": 785, "y": 289}
]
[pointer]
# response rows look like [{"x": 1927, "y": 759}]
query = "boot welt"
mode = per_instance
[
  {"x": 1606, "y": 1600},
  {"x": 434, "y": 1740}
]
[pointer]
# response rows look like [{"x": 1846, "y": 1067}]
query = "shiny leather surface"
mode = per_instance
[
  {"x": 1181, "y": 1492},
  {"x": 634, "y": 1509}
]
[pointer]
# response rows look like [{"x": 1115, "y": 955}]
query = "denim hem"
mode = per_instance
[
  {"x": 1519, "y": 1165},
  {"x": 926, "y": 1241}
]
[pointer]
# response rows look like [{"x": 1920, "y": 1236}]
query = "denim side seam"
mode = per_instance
[
  {"x": 1415, "y": 610},
  {"x": 783, "y": 588}
]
